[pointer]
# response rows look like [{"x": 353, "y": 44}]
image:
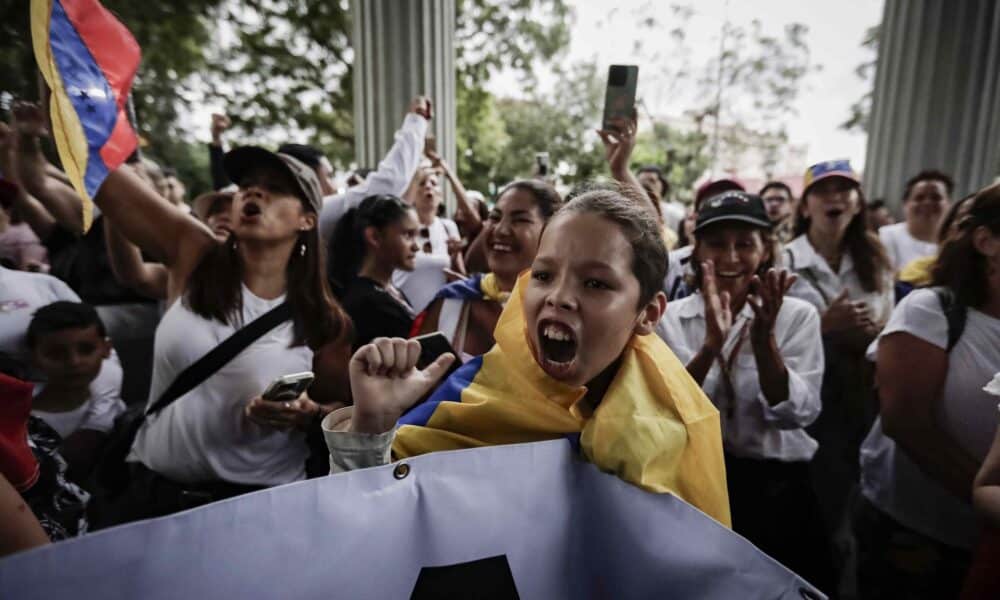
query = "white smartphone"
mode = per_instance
[{"x": 288, "y": 387}]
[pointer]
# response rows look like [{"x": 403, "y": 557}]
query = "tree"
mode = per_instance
[{"x": 860, "y": 111}]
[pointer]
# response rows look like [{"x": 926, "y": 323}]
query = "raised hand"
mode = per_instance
[
  {"x": 618, "y": 144},
  {"x": 422, "y": 105},
  {"x": 29, "y": 119},
  {"x": 718, "y": 313},
  {"x": 220, "y": 123},
  {"x": 765, "y": 299},
  {"x": 385, "y": 382}
]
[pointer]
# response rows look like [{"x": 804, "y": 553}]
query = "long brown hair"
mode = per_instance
[
  {"x": 959, "y": 265},
  {"x": 215, "y": 290},
  {"x": 867, "y": 253}
]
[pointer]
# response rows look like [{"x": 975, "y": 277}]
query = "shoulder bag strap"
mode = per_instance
[{"x": 219, "y": 356}]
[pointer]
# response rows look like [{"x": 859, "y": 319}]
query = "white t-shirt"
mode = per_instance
[
  {"x": 751, "y": 427},
  {"x": 818, "y": 285},
  {"x": 21, "y": 294},
  {"x": 97, "y": 413},
  {"x": 205, "y": 435},
  {"x": 427, "y": 277},
  {"x": 392, "y": 176},
  {"x": 902, "y": 247},
  {"x": 889, "y": 479}
]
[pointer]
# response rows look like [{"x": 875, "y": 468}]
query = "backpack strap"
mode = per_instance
[
  {"x": 954, "y": 311},
  {"x": 218, "y": 357}
]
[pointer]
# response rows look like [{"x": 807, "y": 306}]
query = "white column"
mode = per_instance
[
  {"x": 402, "y": 48},
  {"x": 937, "y": 95}
]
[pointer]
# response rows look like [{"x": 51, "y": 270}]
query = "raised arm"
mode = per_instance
[
  {"x": 154, "y": 224},
  {"x": 58, "y": 198},
  {"x": 30, "y": 209},
  {"x": 618, "y": 146},
  {"x": 463, "y": 207},
  {"x": 147, "y": 278},
  {"x": 394, "y": 172},
  {"x": 216, "y": 151}
]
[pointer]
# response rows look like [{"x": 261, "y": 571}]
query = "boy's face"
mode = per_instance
[
  {"x": 582, "y": 302},
  {"x": 71, "y": 357}
]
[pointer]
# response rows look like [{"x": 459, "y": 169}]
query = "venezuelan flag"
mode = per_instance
[
  {"x": 654, "y": 428},
  {"x": 88, "y": 59}
]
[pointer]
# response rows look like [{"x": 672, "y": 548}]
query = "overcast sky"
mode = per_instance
[{"x": 836, "y": 31}]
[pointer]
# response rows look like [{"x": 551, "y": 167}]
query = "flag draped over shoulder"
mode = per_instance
[
  {"x": 654, "y": 427},
  {"x": 88, "y": 59}
]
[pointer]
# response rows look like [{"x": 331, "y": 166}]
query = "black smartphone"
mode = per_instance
[
  {"x": 542, "y": 163},
  {"x": 288, "y": 387},
  {"x": 619, "y": 98},
  {"x": 433, "y": 345}
]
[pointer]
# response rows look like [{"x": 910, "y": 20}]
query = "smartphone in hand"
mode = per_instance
[
  {"x": 433, "y": 345},
  {"x": 619, "y": 98},
  {"x": 288, "y": 387}
]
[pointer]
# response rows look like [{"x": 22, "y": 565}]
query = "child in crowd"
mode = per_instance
[
  {"x": 68, "y": 346},
  {"x": 370, "y": 242},
  {"x": 759, "y": 356},
  {"x": 574, "y": 359},
  {"x": 467, "y": 311}
]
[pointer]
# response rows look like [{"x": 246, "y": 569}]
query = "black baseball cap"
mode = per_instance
[
  {"x": 239, "y": 161},
  {"x": 733, "y": 205}
]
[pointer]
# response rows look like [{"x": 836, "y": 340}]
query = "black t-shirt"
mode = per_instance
[
  {"x": 84, "y": 265},
  {"x": 375, "y": 312}
]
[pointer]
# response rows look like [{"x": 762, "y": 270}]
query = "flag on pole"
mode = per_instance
[
  {"x": 88, "y": 59},
  {"x": 517, "y": 521}
]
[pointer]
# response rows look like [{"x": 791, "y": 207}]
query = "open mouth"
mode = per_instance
[
  {"x": 251, "y": 210},
  {"x": 834, "y": 213},
  {"x": 558, "y": 346},
  {"x": 501, "y": 247},
  {"x": 729, "y": 274}
]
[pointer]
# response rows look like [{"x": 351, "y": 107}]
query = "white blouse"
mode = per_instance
[
  {"x": 818, "y": 285},
  {"x": 751, "y": 427}
]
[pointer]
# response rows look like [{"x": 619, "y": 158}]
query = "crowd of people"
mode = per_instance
[{"x": 794, "y": 365}]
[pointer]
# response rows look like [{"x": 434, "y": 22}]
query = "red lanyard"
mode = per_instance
[{"x": 726, "y": 366}]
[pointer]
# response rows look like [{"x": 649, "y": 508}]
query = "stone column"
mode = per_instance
[
  {"x": 937, "y": 95},
  {"x": 402, "y": 49}
]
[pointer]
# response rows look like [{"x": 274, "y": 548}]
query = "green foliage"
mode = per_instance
[
  {"x": 860, "y": 111},
  {"x": 681, "y": 154}
]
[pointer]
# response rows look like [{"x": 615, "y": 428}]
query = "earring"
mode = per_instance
[
  {"x": 302, "y": 249},
  {"x": 234, "y": 244}
]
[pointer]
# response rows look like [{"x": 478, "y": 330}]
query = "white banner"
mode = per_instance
[{"x": 532, "y": 518}]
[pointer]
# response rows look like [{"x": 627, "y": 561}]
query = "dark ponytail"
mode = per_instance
[{"x": 347, "y": 248}]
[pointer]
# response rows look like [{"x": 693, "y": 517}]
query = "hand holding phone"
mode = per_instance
[
  {"x": 542, "y": 164},
  {"x": 619, "y": 97},
  {"x": 288, "y": 387}
]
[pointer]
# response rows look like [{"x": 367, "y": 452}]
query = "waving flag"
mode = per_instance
[{"x": 88, "y": 59}]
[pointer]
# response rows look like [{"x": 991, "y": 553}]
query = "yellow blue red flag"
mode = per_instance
[
  {"x": 654, "y": 427},
  {"x": 88, "y": 59}
]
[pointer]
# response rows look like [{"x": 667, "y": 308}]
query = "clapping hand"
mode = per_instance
[
  {"x": 385, "y": 382},
  {"x": 765, "y": 299},
  {"x": 845, "y": 315},
  {"x": 718, "y": 313}
]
